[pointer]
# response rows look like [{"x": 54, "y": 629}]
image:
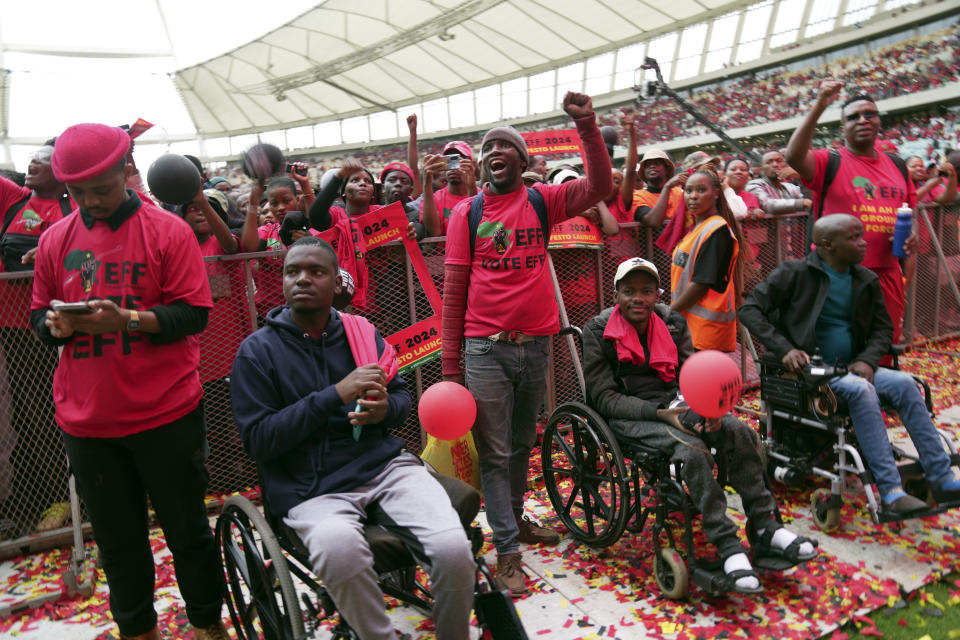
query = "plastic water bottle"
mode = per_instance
[{"x": 902, "y": 230}]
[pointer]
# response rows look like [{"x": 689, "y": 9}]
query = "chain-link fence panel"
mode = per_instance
[
  {"x": 932, "y": 274},
  {"x": 33, "y": 468}
]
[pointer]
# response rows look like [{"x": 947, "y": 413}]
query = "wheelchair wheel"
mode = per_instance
[
  {"x": 260, "y": 594},
  {"x": 585, "y": 475},
  {"x": 826, "y": 519},
  {"x": 671, "y": 573}
]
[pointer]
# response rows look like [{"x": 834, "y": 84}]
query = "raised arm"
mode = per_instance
[
  {"x": 412, "y": 159},
  {"x": 431, "y": 217},
  {"x": 249, "y": 240},
  {"x": 218, "y": 227},
  {"x": 629, "y": 184},
  {"x": 799, "y": 154},
  {"x": 597, "y": 184}
]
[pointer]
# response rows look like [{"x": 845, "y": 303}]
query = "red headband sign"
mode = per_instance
[
  {"x": 419, "y": 343},
  {"x": 562, "y": 142}
]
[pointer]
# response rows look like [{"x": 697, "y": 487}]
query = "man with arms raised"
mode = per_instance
[{"x": 498, "y": 295}]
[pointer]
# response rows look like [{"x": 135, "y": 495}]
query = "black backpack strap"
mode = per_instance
[
  {"x": 536, "y": 201},
  {"x": 833, "y": 166},
  {"x": 540, "y": 206},
  {"x": 902, "y": 166},
  {"x": 473, "y": 219},
  {"x": 12, "y": 213},
  {"x": 65, "y": 207}
]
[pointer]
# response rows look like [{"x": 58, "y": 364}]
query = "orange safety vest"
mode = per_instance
[{"x": 713, "y": 319}]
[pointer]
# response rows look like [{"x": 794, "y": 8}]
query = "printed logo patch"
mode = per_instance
[
  {"x": 859, "y": 182},
  {"x": 85, "y": 262}
]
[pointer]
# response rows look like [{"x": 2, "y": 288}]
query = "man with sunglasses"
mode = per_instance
[{"x": 867, "y": 184}]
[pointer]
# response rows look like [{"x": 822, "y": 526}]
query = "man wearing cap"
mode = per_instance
[
  {"x": 127, "y": 393},
  {"x": 632, "y": 354},
  {"x": 398, "y": 183},
  {"x": 29, "y": 476},
  {"x": 435, "y": 207},
  {"x": 661, "y": 194},
  {"x": 499, "y": 296}
]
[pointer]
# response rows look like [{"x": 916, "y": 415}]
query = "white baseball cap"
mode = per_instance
[{"x": 635, "y": 264}]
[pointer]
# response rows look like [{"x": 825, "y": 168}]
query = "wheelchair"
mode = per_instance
[
  {"x": 808, "y": 433},
  {"x": 601, "y": 485},
  {"x": 259, "y": 554}
]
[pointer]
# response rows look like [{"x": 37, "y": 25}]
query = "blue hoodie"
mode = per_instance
[{"x": 291, "y": 418}]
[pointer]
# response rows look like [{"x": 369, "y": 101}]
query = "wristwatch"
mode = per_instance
[{"x": 134, "y": 322}]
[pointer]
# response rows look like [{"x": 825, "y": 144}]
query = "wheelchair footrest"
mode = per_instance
[
  {"x": 499, "y": 615},
  {"x": 708, "y": 575}
]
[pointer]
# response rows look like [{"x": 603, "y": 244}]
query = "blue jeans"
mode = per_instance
[
  {"x": 509, "y": 382},
  {"x": 899, "y": 390}
]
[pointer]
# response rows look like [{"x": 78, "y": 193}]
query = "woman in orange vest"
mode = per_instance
[{"x": 706, "y": 273}]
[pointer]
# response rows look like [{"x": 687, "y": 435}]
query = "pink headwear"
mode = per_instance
[
  {"x": 460, "y": 147},
  {"x": 86, "y": 151}
]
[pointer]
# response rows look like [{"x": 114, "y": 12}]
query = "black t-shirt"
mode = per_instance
[{"x": 713, "y": 260}]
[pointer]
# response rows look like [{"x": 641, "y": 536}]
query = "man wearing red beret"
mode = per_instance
[{"x": 127, "y": 393}]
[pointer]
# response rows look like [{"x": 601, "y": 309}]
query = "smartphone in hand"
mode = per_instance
[{"x": 71, "y": 307}]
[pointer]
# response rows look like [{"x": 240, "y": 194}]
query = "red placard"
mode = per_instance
[
  {"x": 420, "y": 343},
  {"x": 575, "y": 232},
  {"x": 552, "y": 142}
]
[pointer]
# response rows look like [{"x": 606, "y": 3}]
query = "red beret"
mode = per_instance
[
  {"x": 396, "y": 166},
  {"x": 86, "y": 151}
]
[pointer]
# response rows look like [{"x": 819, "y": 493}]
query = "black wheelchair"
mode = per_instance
[
  {"x": 809, "y": 434},
  {"x": 601, "y": 485},
  {"x": 259, "y": 554}
]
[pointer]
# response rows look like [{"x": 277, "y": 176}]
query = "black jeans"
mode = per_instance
[{"x": 114, "y": 477}]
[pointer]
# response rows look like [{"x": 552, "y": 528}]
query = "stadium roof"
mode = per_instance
[{"x": 352, "y": 57}]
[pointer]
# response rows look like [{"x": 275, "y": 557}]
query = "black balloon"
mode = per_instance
[
  {"x": 610, "y": 135},
  {"x": 173, "y": 179},
  {"x": 262, "y": 161}
]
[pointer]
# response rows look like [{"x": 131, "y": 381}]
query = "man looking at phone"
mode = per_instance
[
  {"x": 456, "y": 162},
  {"x": 498, "y": 295},
  {"x": 127, "y": 392}
]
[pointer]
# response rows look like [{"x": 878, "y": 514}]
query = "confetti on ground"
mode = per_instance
[{"x": 583, "y": 592}]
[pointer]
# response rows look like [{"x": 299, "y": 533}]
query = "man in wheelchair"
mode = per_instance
[
  {"x": 315, "y": 419},
  {"x": 827, "y": 301},
  {"x": 632, "y": 354}
]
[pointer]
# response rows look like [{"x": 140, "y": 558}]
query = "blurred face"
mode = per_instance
[
  {"x": 539, "y": 164},
  {"x": 918, "y": 172},
  {"x": 397, "y": 187},
  {"x": 310, "y": 279},
  {"x": 700, "y": 195},
  {"x": 655, "y": 172},
  {"x": 280, "y": 200},
  {"x": 848, "y": 245},
  {"x": 637, "y": 293},
  {"x": 359, "y": 187},
  {"x": 39, "y": 173},
  {"x": 503, "y": 164},
  {"x": 195, "y": 218},
  {"x": 773, "y": 163},
  {"x": 861, "y": 123},
  {"x": 617, "y": 181},
  {"x": 102, "y": 195},
  {"x": 226, "y": 187},
  {"x": 738, "y": 174}
]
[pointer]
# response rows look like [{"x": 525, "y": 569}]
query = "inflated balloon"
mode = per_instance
[
  {"x": 447, "y": 410},
  {"x": 610, "y": 135},
  {"x": 262, "y": 161},
  {"x": 710, "y": 383},
  {"x": 173, "y": 179}
]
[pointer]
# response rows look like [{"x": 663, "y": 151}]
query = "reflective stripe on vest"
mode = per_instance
[{"x": 686, "y": 275}]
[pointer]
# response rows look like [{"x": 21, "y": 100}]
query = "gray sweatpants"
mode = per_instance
[
  {"x": 414, "y": 506},
  {"x": 738, "y": 443}
]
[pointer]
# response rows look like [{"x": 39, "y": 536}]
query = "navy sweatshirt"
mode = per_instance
[{"x": 291, "y": 418}]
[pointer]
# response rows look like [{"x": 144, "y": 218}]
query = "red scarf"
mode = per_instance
[
  {"x": 361, "y": 337},
  {"x": 675, "y": 230},
  {"x": 663, "y": 350}
]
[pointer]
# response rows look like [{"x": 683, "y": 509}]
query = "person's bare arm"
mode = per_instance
[
  {"x": 249, "y": 239},
  {"x": 629, "y": 184},
  {"x": 799, "y": 154},
  {"x": 950, "y": 182},
  {"x": 655, "y": 217},
  {"x": 413, "y": 160},
  {"x": 431, "y": 217},
  {"x": 218, "y": 227},
  {"x": 690, "y": 296}
]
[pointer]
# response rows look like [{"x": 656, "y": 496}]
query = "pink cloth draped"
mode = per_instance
[{"x": 663, "y": 350}]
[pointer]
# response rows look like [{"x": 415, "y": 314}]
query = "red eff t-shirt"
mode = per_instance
[
  {"x": 445, "y": 202},
  {"x": 871, "y": 189},
  {"x": 510, "y": 287},
  {"x": 116, "y": 384},
  {"x": 35, "y": 217}
]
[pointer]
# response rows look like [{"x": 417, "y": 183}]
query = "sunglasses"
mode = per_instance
[{"x": 867, "y": 115}]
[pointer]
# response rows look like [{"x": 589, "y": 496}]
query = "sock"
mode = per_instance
[
  {"x": 783, "y": 538},
  {"x": 952, "y": 483},
  {"x": 891, "y": 496},
  {"x": 741, "y": 561}
]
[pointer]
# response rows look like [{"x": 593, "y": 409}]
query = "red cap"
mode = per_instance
[
  {"x": 396, "y": 166},
  {"x": 85, "y": 151},
  {"x": 460, "y": 147}
]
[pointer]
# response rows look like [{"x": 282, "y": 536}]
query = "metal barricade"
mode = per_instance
[{"x": 933, "y": 308}]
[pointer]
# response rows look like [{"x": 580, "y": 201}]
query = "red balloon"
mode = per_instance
[
  {"x": 710, "y": 383},
  {"x": 447, "y": 410}
]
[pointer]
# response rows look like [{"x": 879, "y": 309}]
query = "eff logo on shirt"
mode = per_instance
[{"x": 85, "y": 262}]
